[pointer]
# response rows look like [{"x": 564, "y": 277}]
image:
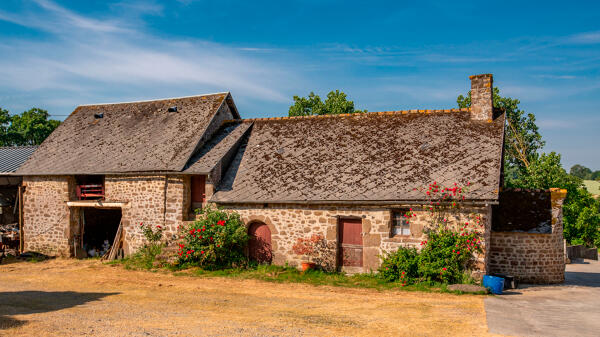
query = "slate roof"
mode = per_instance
[
  {"x": 131, "y": 137},
  {"x": 224, "y": 140},
  {"x": 373, "y": 157},
  {"x": 12, "y": 157}
]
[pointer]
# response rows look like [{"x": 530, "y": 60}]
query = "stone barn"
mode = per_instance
[{"x": 349, "y": 178}]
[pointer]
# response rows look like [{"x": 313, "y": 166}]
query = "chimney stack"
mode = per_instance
[{"x": 482, "y": 97}]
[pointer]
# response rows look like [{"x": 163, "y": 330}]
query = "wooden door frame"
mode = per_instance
[{"x": 339, "y": 262}]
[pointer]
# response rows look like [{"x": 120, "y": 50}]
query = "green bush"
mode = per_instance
[
  {"x": 446, "y": 255},
  {"x": 146, "y": 256},
  {"x": 217, "y": 240},
  {"x": 401, "y": 265},
  {"x": 444, "y": 258}
]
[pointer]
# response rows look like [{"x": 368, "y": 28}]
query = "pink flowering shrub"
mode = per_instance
[
  {"x": 449, "y": 249},
  {"x": 217, "y": 240}
]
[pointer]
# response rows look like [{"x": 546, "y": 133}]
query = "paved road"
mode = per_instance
[{"x": 572, "y": 309}]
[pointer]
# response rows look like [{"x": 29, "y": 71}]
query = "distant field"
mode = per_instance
[{"x": 592, "y": 186}]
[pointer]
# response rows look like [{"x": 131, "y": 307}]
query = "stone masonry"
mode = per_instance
[
  {"x": 532, "y": 257},
  {"x": 482, "y": 103},
  {"x": 288, "y": 223},
  {"x": 50, "y": 225},
  {"x": 46, "y": 215}
]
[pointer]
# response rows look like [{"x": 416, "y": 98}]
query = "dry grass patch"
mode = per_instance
[{"x": 87, "y": 297}]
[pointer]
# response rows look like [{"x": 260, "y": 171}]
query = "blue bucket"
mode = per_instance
[{"x": 494, "y": 284}]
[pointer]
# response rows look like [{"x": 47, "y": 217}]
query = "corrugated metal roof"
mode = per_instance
[{"x": 12, "y": 157}]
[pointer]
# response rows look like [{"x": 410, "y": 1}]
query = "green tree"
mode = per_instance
[
  {"x": 29, "y": 128},
  {"x": 581, "y": 212},
  {"x": 4, "y": 125},
  {"x": 581, "y": 171},
  {"x": 336, "y": 103},
  {"x": 522, "y": 139}
]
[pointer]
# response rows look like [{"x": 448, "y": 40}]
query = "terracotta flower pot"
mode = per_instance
[{"x": 308, "y": 265}]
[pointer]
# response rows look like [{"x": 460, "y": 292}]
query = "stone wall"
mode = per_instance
[
  {"x": 49, "y": 224},
  {"x": 287, "y": 223},
  {"x": 46, "y": 217},
  {"x": 152, "y": 200},
  {"x": 532, "y": 257}
]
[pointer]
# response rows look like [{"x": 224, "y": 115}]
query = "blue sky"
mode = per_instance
[{"x": 385, "y": 55}]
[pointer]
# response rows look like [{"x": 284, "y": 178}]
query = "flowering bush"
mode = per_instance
[
  {"x": 401, "y": 265},
  {"x": 217, "y": 240},
  {"x": 316, "y": 249},
  {"x": 448, "y": 251},
  {"x": 152, "y": 235}
]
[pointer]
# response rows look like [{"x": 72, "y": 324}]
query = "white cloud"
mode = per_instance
[
  {"x": 90, "y": 55},
  {"x": 584, "y": 38}
]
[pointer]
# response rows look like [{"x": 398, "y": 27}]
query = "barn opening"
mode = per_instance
[{"x": 99, "y": 227}]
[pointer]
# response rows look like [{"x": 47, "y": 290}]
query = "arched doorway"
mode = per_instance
[{"x": 259, "y": 246}]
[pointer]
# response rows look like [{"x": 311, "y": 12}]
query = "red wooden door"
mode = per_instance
[
  {"x": 259, "y": 246},
  {"x": 198, "y": 189},
  {"x": 351, "y": 243}
]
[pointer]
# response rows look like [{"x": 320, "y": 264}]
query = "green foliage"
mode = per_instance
[
  {"x": 522, "y": 137},
  {"x": 584, "y": 173},
  {"x": 444, "y": 258},
  {"x": 446, "y": 254},
  {"x": 524, "y": 167},
  {"x": 336, "y": 103},
  {"x": 401, "y": 265},
  {"x": 217, "y": 240},
  {"x": 29, "y": 128},
  {"x": 580, "y": 209},
  {"x": 581, "y": 172},
  {"x": 152, "y": 235},
  {"x": 145, "y": 258}
]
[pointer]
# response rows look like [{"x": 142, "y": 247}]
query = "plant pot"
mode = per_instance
[{"x": 308, "y": 265}]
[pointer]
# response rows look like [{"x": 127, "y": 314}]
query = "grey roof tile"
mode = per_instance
[
  {"x": 131, "y": 137},
  {"x": 364, "y": 157},
  {"x": 216, "y": 148}
]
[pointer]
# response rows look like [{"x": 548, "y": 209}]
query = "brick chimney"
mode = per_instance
[{"x": 482, "y": 98}]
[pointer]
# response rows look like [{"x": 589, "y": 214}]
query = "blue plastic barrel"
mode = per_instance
[{"x": 494, "y": 284}]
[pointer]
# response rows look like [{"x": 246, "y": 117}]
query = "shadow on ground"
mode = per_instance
[{"x": 33, "y": 302}]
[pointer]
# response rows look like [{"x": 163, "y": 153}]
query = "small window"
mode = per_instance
[{"x": 400, "y": 223}]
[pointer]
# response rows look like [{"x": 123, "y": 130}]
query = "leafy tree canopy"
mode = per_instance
[
  {"x": 522, "y": 137},
  {"x": 336, "y": 103},
  {"x": 29, "y": 128},
  {"x": 584, "y": 173}
]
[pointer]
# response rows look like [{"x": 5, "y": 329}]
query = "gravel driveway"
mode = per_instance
[{"x": 572, "y": 309}]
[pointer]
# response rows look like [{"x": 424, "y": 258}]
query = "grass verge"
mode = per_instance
[{"x": 285, "y": 274}]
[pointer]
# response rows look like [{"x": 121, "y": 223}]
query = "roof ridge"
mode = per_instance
[
  {"x": 394, "y": 112},
  {"x": 158, "y": 99}
]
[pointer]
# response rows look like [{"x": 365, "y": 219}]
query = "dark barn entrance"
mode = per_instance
[{"x": 99, "y": 227}]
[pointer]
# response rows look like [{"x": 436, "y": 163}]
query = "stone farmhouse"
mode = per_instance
[{"x": 350, "y": 178}]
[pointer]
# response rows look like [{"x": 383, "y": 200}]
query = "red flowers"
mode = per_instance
[{"x": 221, "y": 222}]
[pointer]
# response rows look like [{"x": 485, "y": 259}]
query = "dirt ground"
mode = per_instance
[{"x": 71, "y": 297}]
